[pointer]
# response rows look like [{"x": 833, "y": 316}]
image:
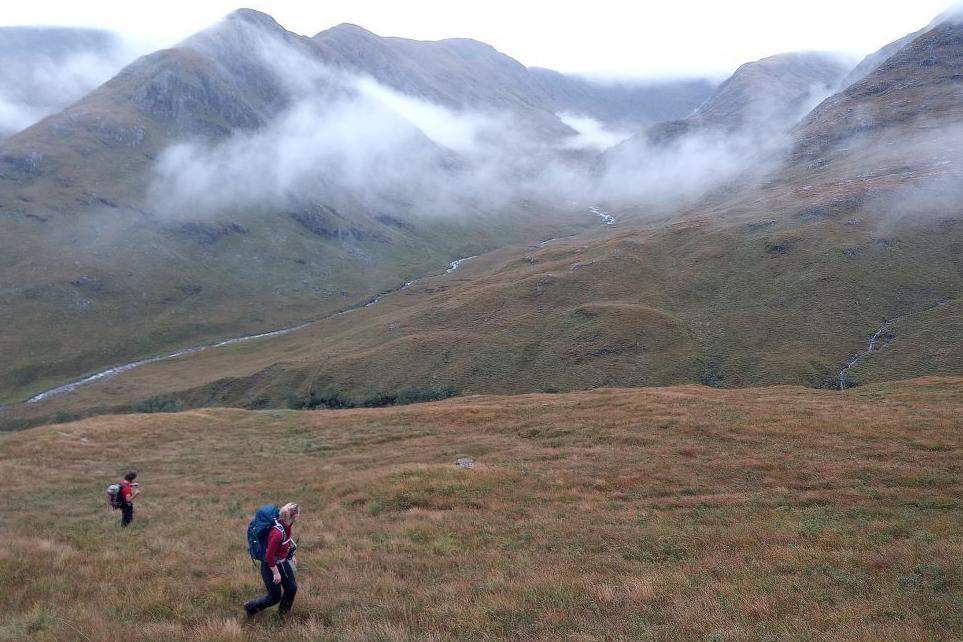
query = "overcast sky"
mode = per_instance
[{"x": 609, "y": 37}]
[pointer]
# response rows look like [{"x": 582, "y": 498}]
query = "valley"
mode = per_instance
[{"x": 772, "y": 272}]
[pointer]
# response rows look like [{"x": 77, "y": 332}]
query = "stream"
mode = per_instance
[
  {"x": 607, "y": 218},
  {"x": 871, "y": 347},
  {"x": 454, "y": 265}
]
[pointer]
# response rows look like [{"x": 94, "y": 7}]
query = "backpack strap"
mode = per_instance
[{"x": 280, "y": 527}]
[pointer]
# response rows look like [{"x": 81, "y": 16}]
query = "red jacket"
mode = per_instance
[
  {"x": 278, "y": 544},
  {"x": 126, "y": 491}
]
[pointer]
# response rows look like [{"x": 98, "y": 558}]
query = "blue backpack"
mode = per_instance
[{"x": 260, "y": 527}]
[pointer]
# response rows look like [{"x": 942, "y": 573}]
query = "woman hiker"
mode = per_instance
[
  {"x": 278, "y": 567},
  {"x": 129, "y": 489}
]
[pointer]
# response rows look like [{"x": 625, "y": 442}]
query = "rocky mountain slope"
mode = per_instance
[
  {"x": 625, "y": 105},
  {"x": 462, "y": 73},
  {"x": 913, "y": 92},
  {"x": 764, "y": 97},
  {"x": 869, "y": 64}
]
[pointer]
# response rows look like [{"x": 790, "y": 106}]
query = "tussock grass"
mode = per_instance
[{"x": 661, "y": 514}]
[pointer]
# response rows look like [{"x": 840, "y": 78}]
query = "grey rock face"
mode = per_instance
[
  {"x": 21, "y": 166},
  {"x": 181, "y": 95}
]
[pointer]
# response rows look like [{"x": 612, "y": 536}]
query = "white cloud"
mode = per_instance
[
  {"x": 34, "y": 85},
  {"x": 457, "y": 131},
  {"x": 592, "y": 134}
]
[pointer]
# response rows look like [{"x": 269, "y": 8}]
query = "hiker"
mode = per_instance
[
  {"x": 129, "y": 489},
  {"x": 278, "y": 565}
]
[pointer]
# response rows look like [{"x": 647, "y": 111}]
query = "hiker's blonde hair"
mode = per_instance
[{"x": 287, "y": 510}]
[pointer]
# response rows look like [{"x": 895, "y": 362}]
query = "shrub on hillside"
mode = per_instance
[
  {"x": 712, "y": 376},
  {"x": 334, "y": 399},
  {"x": 419, "y": 395},
  {"x": 377, "y": 400},
  {"x": 160, "y": 403},
  {"x": 63, "y": 416},
  {"x": 327, "y": 398}
]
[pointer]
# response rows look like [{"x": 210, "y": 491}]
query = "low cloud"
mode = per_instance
[
  {"x": 44, "y": 70},
  {"x": 351, "y": 143},
  {"x": 348, "y": 134},
  {"x": 345, "y": 133},
  {"x": 592, "y": 134},
  {"x": 681, "y": 171}
]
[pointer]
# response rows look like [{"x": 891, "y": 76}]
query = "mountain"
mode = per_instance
[
  {"x": 457, "y": 73},
  {"x": 778, "y": 88},
  {"x": 98, "y": 268},
  {"x": 622, "y": 104},
  {"x": 210, "y": 86},
  {"x": 869, "y": 64},
  {"x": 852, "y": 239},
  {"x": 736, "y": 135},
  {"x": 120, "y": 240},
  {"x": 229, "y": 79},
  {"x": 467, "y": 74},
  {"x": 764, "y": 97},
  {"x": 779, "y": 279},
  {"x": 44, "y": 69},
  {"x": 914, "y": 92}
]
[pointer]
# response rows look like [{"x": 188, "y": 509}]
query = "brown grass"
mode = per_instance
[{"x": 660, "y": 514}]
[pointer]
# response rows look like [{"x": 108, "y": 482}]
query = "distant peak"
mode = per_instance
[
  {"x": 252, "y": 16},
  {"x": 468, "y": 42},
  {"x": 797, "y": 57},
  {"x": 347, "y": 28}
]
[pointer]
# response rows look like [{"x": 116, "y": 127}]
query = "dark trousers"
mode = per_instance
[
  {"x": 282, "y": 593},
  {"x": 126, "y": 514}
]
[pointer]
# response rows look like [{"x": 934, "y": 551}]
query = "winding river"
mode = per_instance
[
  {"x": 117, "y": 370},
  {"x": 111, "y": 372}
]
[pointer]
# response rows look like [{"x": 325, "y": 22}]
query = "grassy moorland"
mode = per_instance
[{"x": 659, "y": 514}]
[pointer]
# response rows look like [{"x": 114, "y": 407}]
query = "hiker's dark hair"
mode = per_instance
[{"x": 131, "y": 475}]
